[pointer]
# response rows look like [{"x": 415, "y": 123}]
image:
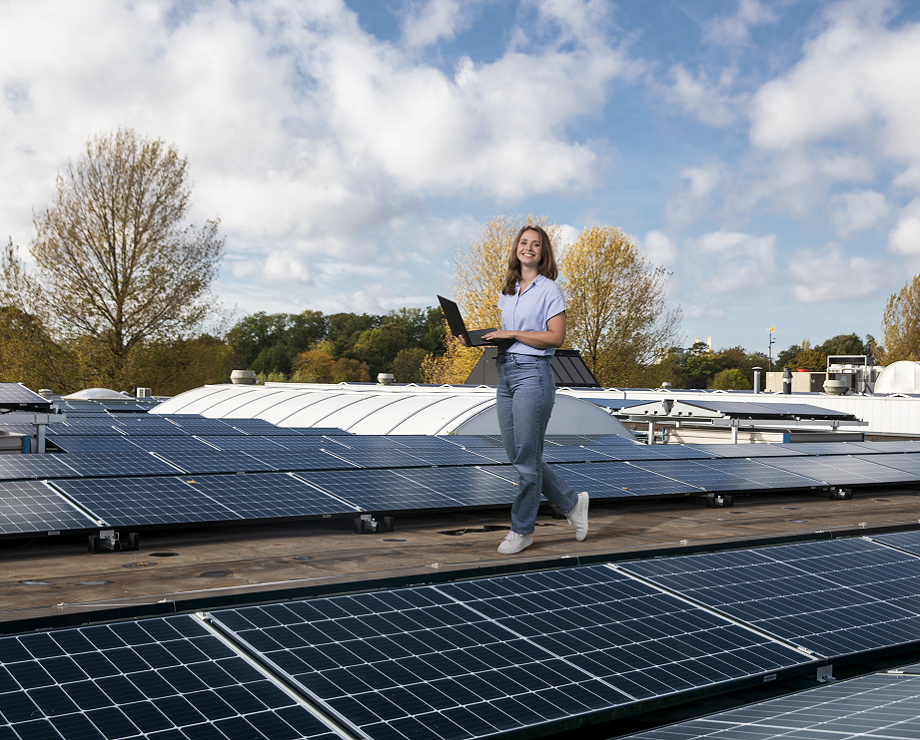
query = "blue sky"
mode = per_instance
[{"x": 767, "y": 153}]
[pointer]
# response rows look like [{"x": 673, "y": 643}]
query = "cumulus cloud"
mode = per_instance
[
  {"x": 425, "y": 23},
  {"x": 659, "y": 249},
  {"x": 300, "y": 127},
  {"x": 904, "y": 238},
  {"x": 828, "y": 275},
  {"x": 856, "y": 211},
  {"x": 725, "y": 262},
  {"x": 710, "y": 102},
  {"x": 692, "y": 202},
  {"x": 857, "y": 80}
]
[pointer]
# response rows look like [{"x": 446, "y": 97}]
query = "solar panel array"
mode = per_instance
[
  {"x": 528, "y": 653},
  {"x": 112, "y": 448}
]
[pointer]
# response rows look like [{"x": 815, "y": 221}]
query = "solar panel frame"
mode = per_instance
[
  {"x": 377, "y": 490},
  {"x": 622, "y": 479},
  {"x": 256, "y": 496},
  {"x": 73, "y": 444},
  {"x": 759, "y": 472},
  {"x": 817, "y": 468},
  {"x": 32, "y": 507},
  {"x": 836, "y": 597},
  {"x": 695, "y": 473},
  {"x": 163, "y": 678},
  {"x": 142, "y": 502},
  {"x": 469, "y": 487},
  {"x": 482, "y": 658}
]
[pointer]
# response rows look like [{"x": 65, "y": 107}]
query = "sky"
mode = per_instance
[{"x": 767, "y": 154}]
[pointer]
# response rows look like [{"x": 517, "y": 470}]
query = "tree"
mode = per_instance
[
  {"x": 616, "y": 306},
  {"x": 731, "y": 379},
  {"x": 118, "y": 267},
  {"x": 901, "y": 324},
  {"x": 479, "y": 271},
  {"x": 407, "y": 365}
]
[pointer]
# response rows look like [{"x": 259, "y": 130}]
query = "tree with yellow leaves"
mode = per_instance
[
  {"x": 901, "y": 324},
  {"x": 479, "y": 274},
  {"x": 615, "y": 307}
]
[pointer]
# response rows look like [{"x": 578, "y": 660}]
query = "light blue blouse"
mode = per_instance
[{"x": 530, "y": 310}]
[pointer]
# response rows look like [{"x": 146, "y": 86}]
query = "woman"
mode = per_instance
[{"x": 533, "y": 326}]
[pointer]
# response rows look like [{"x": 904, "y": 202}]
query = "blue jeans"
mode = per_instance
[{"x": 526, "y": 393}]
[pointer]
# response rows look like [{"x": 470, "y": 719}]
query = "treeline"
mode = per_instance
[
  {"x": 733, "y": 368},
  {"x": 310, "y": 347}
]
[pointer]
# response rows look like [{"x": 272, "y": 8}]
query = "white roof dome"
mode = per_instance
[{"x": 899, "y": 377}]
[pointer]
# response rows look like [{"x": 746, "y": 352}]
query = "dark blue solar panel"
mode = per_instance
[
  {"x": 837, "y": 597},
  {"x": 268, "y": 495},
  {"x": 477, "y": 659},
  {"x": 93, "y": 444},
  {"x": 406, "y": 458},
  {"x": 702, "y": 476},
  {"x": 302, "y": 442},
  {"x": 758, "y": 471},
  {"x": 744, "y": 450},
  {"x": 31, "y": 507},
  {"x": 168, "y": 679},
  {"x": 378, "y": 490},
  {"x": 370, "y": 442},
  {"x": 241, "y": 442},
  {"x": 841, "y": 470},
  {"x": 874, "y": 706},
  {"x": 891, "y": 446},
  {"x": 654, "y": 452},
  {"x": 181, "y": 443},
  {"x": 85, "y": 428},
  {"x": 116, "y": 464},
  {"x": 215, "y": 461},
  {"x": 134, "y": 502},
  {"x": 465, "y": 486},
  {"x": 574, "y": 454},
  {"x": 620, "y": 479},
  {"x": 907, "y": 541},
  {"x": 821, "y": 448},
  {"x": 26, "y": 467},
  {"x": 416, "y": 441},
  {"x": 299, "y": 460},
  {"x": 476, "y": 440}
]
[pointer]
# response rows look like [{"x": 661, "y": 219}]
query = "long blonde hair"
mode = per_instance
[{"x": 547, "y": 266}]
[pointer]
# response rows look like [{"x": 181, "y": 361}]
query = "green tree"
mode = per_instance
[
  {"x": 731, "y": 379},
  {"x": 407, "y": 365}
]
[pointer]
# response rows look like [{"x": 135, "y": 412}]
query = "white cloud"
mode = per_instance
[
  {"x": 827, "y": 275},
  {"x": 300, "y": 127},
  {"x": 428, "y": 22},
  {"x": 659, "y": 249},
  {"x": 904, "y": 238},
  {"x": 726, "y": 262},
  {"x": 857, "y": 211},
  {"x": 694, "y": 201},
  {"x": 858, "y": 80},
  {"x": 709, "y": 102},
  {"x": 735, "y": 30}
]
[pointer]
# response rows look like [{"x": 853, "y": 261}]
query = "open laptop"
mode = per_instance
[{"x": 457, "y": 327}]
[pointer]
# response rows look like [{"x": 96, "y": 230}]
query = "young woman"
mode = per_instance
[{"x": 533, "y": 326}]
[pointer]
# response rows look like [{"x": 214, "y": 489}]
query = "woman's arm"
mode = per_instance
[{"x": 552, "y": 338}]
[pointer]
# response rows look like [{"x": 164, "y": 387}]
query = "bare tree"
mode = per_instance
[{"x": 118, "y": 266}]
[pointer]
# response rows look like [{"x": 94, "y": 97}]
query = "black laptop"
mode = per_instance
[{"x": 457, "y": 327}]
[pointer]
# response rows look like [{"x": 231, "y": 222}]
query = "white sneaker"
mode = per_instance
[
  {"x": 578, "y": 516},
  {"x": 514, "y": 543}
]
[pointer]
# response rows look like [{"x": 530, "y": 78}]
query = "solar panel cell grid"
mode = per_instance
[
  {"x": 619, "y": 479},
  {"x": 134, "y": 502},
  {"x": 513, "y": 652},
  {"x": 93, "y": 444},
  {"x": 465, "y": 486},
  {"x": 299, "y": 460},
  {"x": 25, "y": 467},
  {"x": 215, "y": 461},
  {"x": 31, "y": 507},
  {"x": 240, "y": 442},
  {"x": 378, "y": 490},
  {"x": 835, "y": 598},
  {"x": 697, "y": 474},
  {"x": 158, "y": 678}
]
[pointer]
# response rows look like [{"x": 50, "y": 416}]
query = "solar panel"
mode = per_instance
[
  {"x": 117, "y": 464},
  {"x": 473, "y": 660},
  {"x": 610, "y": 439},
  {"x": 869, "y": 470},
  {"x": 205, "y": 426},
  {"x": 466, "y": 486},
  {"x": 836, "y": 597},
  {"x": 240, "y": 442},
  {"x": 758, "y": 472},
  {"x": 215, "y": 461},
  {"x": 905, "y": 461},
  {"x": 476, "y": 440},
  {"x": 574, "y": 454},
  {"x": 17, "y": 396},
  {"x": 135, "y": 502},
  {"x": 874, "y": 706},
  {"x": 314, "y": 442},
  {"x": 653, "y": 452},
  {"x": 370, "y": 442},
  {"x": 32, "y": 507},
  {"x": 818, "y": 468},
  {"x": 156, "y": 678},
  {"x": 405, "y": 458},
  {"x": 421, "y": 441},
  {"x": 744, "y": 450},
  {"x": 565, "y": 440},
  {"x": 907, "y": 541},
  {"x": 93, "y": 444},
  {"x": 182, "y": 443},
  {"x": 620, "y": 479},
  {"x": 26, "y": 467},
  {"x": 892, "y": 446},
  {"x": 699, "y": 475},
  {"x": 79, "y": 428},
  {"x": 821, "y": 448},
  {"x": 378, "y": 490},
  {"x": 268, "y": 495},
  {"x": 299, "y": 460}
]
